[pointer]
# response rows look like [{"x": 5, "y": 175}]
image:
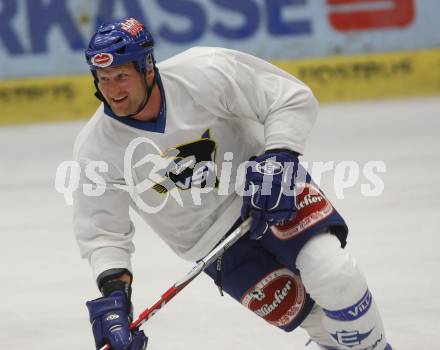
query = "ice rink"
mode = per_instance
[{"x": 394, "y": 236}]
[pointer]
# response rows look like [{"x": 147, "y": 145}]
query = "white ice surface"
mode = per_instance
[{"x": 395, "y": 237}]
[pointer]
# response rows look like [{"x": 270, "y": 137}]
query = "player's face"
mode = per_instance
[{"x": 123, "y": 88}]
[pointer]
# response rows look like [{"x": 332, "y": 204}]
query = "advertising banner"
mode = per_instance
[{"x": 46, "y": 38}]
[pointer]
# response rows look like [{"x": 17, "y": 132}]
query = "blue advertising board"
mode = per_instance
[{"x": 47, "y": 37}]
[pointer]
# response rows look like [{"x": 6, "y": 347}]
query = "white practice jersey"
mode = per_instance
[{"x": 181, "y": 172}]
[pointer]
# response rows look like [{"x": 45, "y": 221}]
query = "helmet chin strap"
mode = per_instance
[{"x": 147, "y": 96}]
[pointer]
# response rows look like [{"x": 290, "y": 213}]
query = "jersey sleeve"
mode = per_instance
[
  {"x": 249, "y": 87},
  {"x": 102, "y": 224},
  {"x": 285, "y": 106}
]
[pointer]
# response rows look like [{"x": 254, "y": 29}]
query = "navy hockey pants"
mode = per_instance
[{"x": 261, "y": 274}]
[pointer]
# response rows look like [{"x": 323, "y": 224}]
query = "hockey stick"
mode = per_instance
[{"x": 195, "y": 271}]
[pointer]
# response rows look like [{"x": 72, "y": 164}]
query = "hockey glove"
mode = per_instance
[
  {"x": 110, "y": 318},
  {"x": 269, "y": 197}
]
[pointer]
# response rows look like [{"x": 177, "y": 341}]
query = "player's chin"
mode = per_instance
[{"x": 118, "y": 111}]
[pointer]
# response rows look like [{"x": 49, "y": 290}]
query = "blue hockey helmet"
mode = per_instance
[{"x": 121, "y": 42}]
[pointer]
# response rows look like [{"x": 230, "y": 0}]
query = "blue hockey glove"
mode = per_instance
[
  {"x": 111, "y": 323},
  {"x": 269, "y": 198}
]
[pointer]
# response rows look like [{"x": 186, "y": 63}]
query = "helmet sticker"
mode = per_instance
[
  {"x": 102, "y": 60},
  {"x": 132, "y": 26}
]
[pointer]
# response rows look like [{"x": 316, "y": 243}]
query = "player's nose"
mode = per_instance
[{"x": 115, "y": 91}]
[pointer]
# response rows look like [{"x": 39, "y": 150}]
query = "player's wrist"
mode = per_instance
[
  {"x": 115, "y": 280},
  {"x": 113, "y": 274},
  {"x": 280, "y": 150}
]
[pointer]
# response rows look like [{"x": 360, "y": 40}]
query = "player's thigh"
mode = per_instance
[
  {"x": 253, "y": 277},
  {"x": 315, "y": 214}
]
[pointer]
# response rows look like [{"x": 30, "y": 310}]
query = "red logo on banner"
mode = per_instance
[
  {"x": 348, "y": 15},
  {"x": 278, "y": 298},
  {"x": 102, "y": 60},
  {"x": 312, "y": 207}
]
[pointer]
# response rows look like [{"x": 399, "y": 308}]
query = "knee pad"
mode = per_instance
[
  {"x": 329, "y": 273},
  {"x": 332, "y": 278}
]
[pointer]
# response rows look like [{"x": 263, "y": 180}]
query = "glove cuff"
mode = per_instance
[
  {"x": 109, "y": 282},
  {"x": 116, "y": 285},
  {"x": 102, "y": 306},
  {"x": 112, "y": 274}
]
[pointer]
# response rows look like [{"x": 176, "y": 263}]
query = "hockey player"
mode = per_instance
[{"x": 193, "y": 120}]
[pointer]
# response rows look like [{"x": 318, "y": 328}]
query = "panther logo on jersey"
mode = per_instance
[{"x": 191, "y": 165}]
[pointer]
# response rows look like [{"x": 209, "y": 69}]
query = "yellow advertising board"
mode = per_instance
[{"x": 332, "y": 79}]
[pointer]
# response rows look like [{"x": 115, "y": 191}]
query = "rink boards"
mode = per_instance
[
  {"x": 338, "y": 78},
  {"x": 344, "y": 49},
  {"x": 341, "y": 78}
]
